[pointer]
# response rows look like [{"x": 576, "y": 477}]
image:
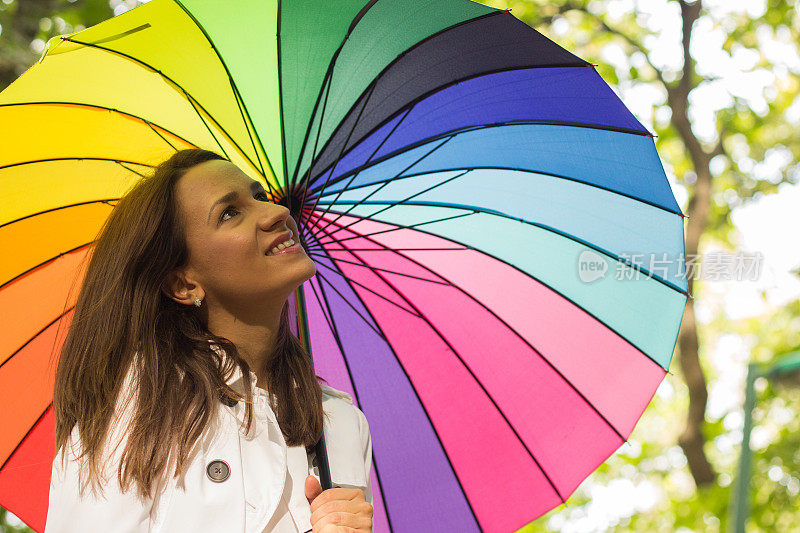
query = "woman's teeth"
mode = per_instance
[{"x": 281, "y": 246}]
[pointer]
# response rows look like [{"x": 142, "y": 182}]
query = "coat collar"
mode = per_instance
[{"x": 237, "y": 378}]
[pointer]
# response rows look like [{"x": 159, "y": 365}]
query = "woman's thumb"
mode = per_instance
[{"x": 313, "y": 488}]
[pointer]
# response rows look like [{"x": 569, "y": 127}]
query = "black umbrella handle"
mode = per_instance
[
  {"x": 302, "y": 334},
  {"x": 322, "y": 458}
]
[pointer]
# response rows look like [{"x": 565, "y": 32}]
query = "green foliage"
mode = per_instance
[
  {"x": 749, "y": 135},
  {"x": 650, "y": 462},
  {"x": 28, "y": 24},
  {"x": 651, "y": 459},
  {"x": 5, "y": 527}
]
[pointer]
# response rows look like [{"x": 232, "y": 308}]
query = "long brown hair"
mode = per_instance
[{"x": 124, "y": 325}]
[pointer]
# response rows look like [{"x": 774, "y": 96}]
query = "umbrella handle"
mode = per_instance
[
  {"x": 322, "y": 457},
  {"x": 302, "y": 334}
]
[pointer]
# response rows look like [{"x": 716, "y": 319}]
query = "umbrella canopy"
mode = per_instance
[{"x": 499, "y": 252}]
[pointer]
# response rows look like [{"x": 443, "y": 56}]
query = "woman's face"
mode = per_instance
[{"x": 230, "y": 229}]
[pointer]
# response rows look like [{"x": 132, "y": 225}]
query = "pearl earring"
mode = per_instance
[{"x": 197, "y": 301}]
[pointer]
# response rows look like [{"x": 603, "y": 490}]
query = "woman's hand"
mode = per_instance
[{"x": 338, "y": 510}]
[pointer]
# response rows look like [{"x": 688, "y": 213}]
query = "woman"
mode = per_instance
[{"x": 183, "y": 402}]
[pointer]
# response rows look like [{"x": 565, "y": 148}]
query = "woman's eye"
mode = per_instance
[
  {"x": 227, "y": 209},
  {"x": 233, "y": 210}
]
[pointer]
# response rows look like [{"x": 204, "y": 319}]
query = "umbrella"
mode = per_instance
[{"x": 500, "y": 256}]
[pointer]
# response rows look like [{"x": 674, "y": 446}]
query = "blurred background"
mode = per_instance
[{"x": 717, "y": 82}]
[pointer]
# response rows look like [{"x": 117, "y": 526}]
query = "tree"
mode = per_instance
[
  {"x": 716, "y": 170},
  {"x": 26, "y": 25},
  {"x": 719, "y": 167}
]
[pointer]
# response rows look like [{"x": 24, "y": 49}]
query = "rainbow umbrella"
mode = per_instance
[{"x": 499, "y": 281}]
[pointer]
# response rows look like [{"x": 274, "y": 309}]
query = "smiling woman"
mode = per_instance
[
  {"x": 180, "y": 370},
  {"x": 227, "y": 244}
]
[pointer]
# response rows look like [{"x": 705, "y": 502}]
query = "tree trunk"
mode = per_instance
[{"x": 692, "y": 439}]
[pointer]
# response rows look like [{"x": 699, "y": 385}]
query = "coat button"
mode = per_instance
[{"x": 218, "y": 471}]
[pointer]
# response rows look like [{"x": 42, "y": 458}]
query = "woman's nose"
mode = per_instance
[{"x": 274, "y": 218}]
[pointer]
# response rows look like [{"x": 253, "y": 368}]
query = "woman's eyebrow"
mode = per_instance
[{"x": 233, "y": 195}]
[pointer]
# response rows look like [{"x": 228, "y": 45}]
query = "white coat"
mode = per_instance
[{"x": 249, "y": 498}]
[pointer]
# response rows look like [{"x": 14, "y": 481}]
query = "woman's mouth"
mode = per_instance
[{"x": 292, "y": 248}]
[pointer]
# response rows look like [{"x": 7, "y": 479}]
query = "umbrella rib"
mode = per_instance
[
  {"x": 374, "y": 268},
  {"x": 93, "y": 106},
  {"x": 301, "y": 228},
  {"x": 367, "y": 288},
  {"x": 100, "y": 201},
  {"x": 496, "y": 167},
  {"x": 392, "y": 204},
  {"x": 492, "y": 212},
  {"x": 329, "y": 175},
  {"x": 252, "y": 142},
  {"x": 325, "y": 81},
  {"x": 105, "y": 200},
  {"x": 521, "y": 337},
  {"x": 398, "y": 174},
  {"x": 513, "y": 122},
  {"x": 450, "y": 135},
  {"x": 27, "y": 342},
  {"x": 203, "y": 120},
  {"x": 394, "y": 227},
  {"x": 406, "y": 249},
  {"x": 325, "y": 310},
  {"x": 25, "y": 437},
  {"x": 224, "y": 152},
  {"x": 397, "y": 228},
  {"x": 322, "y": 277},
  {"x": 419, "y": 401},
  {"x": 182, "y": 90},
  {"x": 342, "y": 189},
  {"x": 120, "y": 163},
  {"x": 467, "y": 247},
  {"x": 279, "y": 73},
  {"x": 165, "y": 139},
  {"x": 480, "y": 384},
  {"x": 444, "y": 86},
  {"x": 311, "y": 118},
  {"x": 316, "y": 140},
  {"x": 342, "y": 351},
  {"x": 242, "y": 107},
  {"x": 607, "y": 127},
  {"x": 474, "y": 377},
  {"x": 246, "y": 120},
  {"x": 415, "y": 101},
  {"x": 12, "y": 280},
  {"x": 18, "y": 350},
  {"x": 49, "y": 159},
  {"x": 476, "y": 209}
]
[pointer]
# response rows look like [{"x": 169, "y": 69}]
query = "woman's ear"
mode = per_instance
[{"x": 180, "y": 288}]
